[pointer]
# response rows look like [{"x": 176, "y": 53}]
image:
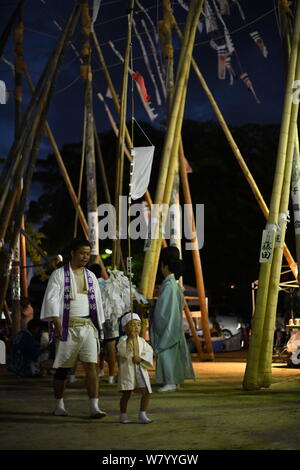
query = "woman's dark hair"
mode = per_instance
[
  {"x": 170, "y": 256},
  {"x": 96, "y": 269},
  {"x": 78, "y": 243}
]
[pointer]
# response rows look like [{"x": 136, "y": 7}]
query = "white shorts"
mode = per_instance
[{"x": 82, "y": 342}]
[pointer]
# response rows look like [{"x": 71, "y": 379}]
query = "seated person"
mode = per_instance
[{"x": 25, "y": 351}]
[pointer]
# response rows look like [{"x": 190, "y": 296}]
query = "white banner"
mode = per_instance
[
  {"x": 2, "y": 92},
  {"x": 142, "y": 164},
  {"x": 267, "y": 245},
  {"x": 93, "y": 232}
]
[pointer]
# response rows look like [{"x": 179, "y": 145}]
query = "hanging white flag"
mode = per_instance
[
  {"x": 142, "y": 164},
  {"x": 96, "y": 6},
  {"x": 2, "y": 92}
]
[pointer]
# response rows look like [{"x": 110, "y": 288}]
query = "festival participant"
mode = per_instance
[
  {"x": 135, "y": 356},
  {"x": 73, "y": 301},
  {"x": 173, "y": 364}
]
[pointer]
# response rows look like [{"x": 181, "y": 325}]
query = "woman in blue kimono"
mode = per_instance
[{"x": 173, "y": 362}]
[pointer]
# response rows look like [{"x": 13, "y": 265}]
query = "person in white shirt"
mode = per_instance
[{"x": 73, "y": 302}]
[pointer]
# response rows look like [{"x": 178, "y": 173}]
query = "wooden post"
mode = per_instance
[{"x": 86, "y": 72}]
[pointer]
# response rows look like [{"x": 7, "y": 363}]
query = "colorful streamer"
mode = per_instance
[
  {"x": 248, "y": 83},
  {"x": 259, "y": 41}
]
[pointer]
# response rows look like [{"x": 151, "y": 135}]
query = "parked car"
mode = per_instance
[{"x": 231, "y": 334}]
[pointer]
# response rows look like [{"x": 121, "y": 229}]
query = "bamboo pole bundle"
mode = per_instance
[
  {"x": 251, "y": 378},
  {"x": 86, "y": 73},
  {"x": 81, "y": 171},
  {"x": 236, "y": 151},
  {"x": 169, "y": 151},
  {"x": 121, "y": 139},
  {"x": 38, "y": 123},
  {"x": 265, "y": 366}
]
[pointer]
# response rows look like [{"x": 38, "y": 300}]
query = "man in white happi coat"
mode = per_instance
[{"x": 73, "y": 302}]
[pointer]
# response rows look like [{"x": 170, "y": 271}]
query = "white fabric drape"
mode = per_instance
[{"x": 142, "y": 164}]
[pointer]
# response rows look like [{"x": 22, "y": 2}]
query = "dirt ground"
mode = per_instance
[{"x": 210, "y": 413}]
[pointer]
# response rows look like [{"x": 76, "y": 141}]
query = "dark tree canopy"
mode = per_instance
[{"x": 233, "y": 221}]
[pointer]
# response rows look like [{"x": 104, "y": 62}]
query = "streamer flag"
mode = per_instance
[
  {"x": 2, "y": 92},
  {"x": 142, "y": 164},
  {"x": 248, "y": 83},
  {"x": 224, "y": 7},
  {"x": 259, "y": 41},
  {"x": 222, "y": 53},
  {"x": 96, "y": 7},
  {"x": 139, "y": 79}
]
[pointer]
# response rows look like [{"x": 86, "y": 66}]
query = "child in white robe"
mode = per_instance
[{"x": 135, "y": 356}]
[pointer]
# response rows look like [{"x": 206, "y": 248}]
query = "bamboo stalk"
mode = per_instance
[
  {"x": 12, "y": 162},
  {"x": 170, "y": 152},
  {"x": 62, "y": 167},
  {"x": 81, "y": 171},
  {"x": 36, "y": 247},
  {"x": 121, "y": 139},
  {"x": 251, "y": 379},
  {"x": 86, "y": 72},
  {"x": 9, "y": 26},
  {"x": 35, "y": 136},
  {"x": 193, "y": 16},
  {"x": 265, "y": 366},
  {"x": 236, "y": 151}
]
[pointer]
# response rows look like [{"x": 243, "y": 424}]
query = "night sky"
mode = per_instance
[{"x": 65, "y": 114}]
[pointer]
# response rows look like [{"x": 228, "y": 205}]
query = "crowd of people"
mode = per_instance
[{"x": 71, "y": 326}]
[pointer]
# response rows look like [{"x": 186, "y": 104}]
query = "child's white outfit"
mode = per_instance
[{"x": 130, "y": 375}]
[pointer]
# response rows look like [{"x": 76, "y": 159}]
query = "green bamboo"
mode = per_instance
[
  {"x": 265, "y": 366},
  {"x": 251, "y": 379},
  {"x": 236, "y": 151},
  {"x": 62, "y": 167}
]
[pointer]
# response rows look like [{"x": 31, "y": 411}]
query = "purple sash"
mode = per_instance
[{"x": 91, "y": 297}]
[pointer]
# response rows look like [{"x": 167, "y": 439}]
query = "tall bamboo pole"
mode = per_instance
[
  {"x": 236, "y": 151},
  {"x": 86, "y": 72},
  {"x": 9, "y": 26},
  {"x": 184, "y": 61},
  {"x": 81, "y": 170},
  {"x": 251, "y": 379},
  {"x": 170, "y": 151},
  {"x": 121, "y": 139},
  {"x": 196, "y": 254},
  {"x": 62, "y": 167},
  {"x": 265, "y": 366},
  {"x": 21, "y": 275}
]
